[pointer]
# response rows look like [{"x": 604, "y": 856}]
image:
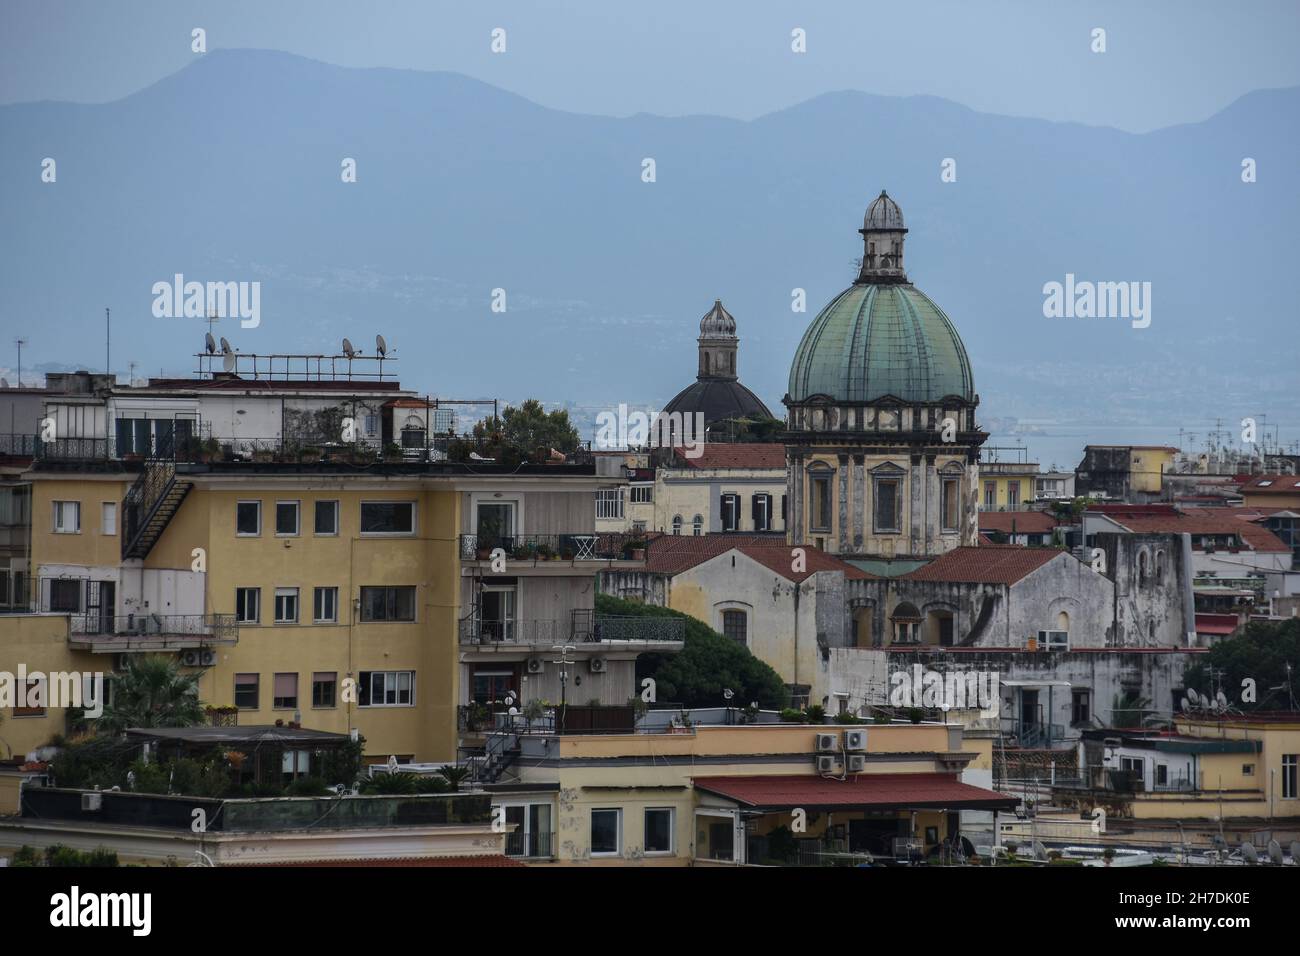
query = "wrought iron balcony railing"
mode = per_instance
[
  {"x": 595, "y": 546},
  {"x": 530, "y": 845}
]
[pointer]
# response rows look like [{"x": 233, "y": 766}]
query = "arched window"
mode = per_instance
[
  {"x": 1160, "y": 567},
  {"x": 1142, "y": 569},
  {"x": 706, "y": 363},
  {"x": 697, "y": 525},
  {"x": 677, "y": 524},
  {"x": 907, "y": 624}
]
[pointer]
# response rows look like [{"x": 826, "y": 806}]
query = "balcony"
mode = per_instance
[
  {"x": 541, "y": 548},
  {"x": 580, "y": 629},
  {"x": 108, "y": 634}
]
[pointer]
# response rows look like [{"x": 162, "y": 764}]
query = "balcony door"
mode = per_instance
[
  {"x": 498, "y": 603},
  {"x": 496, "y": 524},
  {"x": 101, "y": 598}
]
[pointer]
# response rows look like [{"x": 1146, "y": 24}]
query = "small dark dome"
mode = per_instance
[{"x": 718, "y": 399}]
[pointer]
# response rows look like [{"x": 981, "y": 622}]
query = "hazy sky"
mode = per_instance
[{"x": 1167, "y": 61}]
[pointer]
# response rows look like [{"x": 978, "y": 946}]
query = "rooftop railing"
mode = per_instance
[
  {"x": 185, "y": 628},
  {"x": 534, "y": 548}
]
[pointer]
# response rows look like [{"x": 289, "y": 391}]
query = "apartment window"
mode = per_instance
[
  {"x": 606, "y": 832},
  {"x": 67, "y": 517},
  {"x": 1080, "y": 707},
  {"x": 1131, "y": 765},
  {"x": 990, "y": 494},
  {"x": 734, "y": 625},
  {"x": 1290, "y": 785},
  {"x": 108, "y": 517},
  {"x": 327, "y": 517},
  {"x": 388, "y": 517},
  {"x": 761, "y": 508},
  {"x": 388, "y": 603},
  {"x": 1162, "y": 775},
  {"x": 677, "y": 524},
  {"x": 286, "y": 517},
  {"x": 246, "y": 691},
  {"x": 324, "y": 687},
  {"x": 65, "y": 595},
  {"x": 34, "y": 691},
  {"x": 697, "y": 525},
  {"x": 286, "y": 605},
  {"x": 325, "y": 608},
  {"x": 248, "y": 605},
  {"x": 820, "y": 508},
  {"x": 609, "y": 503},
  {"x": 285, "y": 694},
  {"x": 1054, "y": 640},
  {"x": 248, "y": 518},
  {"x": 642, "y": 494},
  {"x": 1248, "y": 770},
  {"x": 659, "y": 829},
  {"x": 1013, "y": 492},
  {"x": 887, "y": 515},
  {"x": 386, "y": 689},
  {"x": 951, "y": 504},
  {"x": 730, "y": 512}
]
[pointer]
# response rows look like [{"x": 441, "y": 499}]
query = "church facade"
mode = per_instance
[{"x": 882, "y": 444}]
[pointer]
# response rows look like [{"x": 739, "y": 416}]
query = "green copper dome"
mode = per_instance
[{"x": 874, "y": 340}]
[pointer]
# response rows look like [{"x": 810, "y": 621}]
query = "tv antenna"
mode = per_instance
[{"x": 20, "y": 343}]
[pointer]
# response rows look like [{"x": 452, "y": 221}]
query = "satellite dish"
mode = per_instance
[
  {"x": 1187, "y": 704},
  {"x": 225, "y": 346},
  {"x": 380, "y": 345},
  {"x": 209, "y": 343},
  {"x": 4, "y": 383},
  {"x": 1248, "y": 853},
  {"x": 1194, "y": 697},
  {"x": 728, "y": 693},
  {"x": 1222, "y": 699},
  {"x": 228, "y": 361},
  {"x": 392, "y": 763},
  {"x": 348, "y": 350},
  {"x": 1295, "y": 852},
  {"x": 1275, "y": 852}
]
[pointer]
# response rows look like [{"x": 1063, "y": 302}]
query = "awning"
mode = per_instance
[
  {"x": 864, "y": 791},
  {"x": 1029, "y": 682}
]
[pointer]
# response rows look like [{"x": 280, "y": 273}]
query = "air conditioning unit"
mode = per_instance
[
  {"x": 92, "y": 802},
  {"x": 597, "y": 665},
  {"x": 828, "y": 742},
  {"x": 826, "y": 763},
  {"x": 190, "y": 658},
  {"x": 857, "y": 763},
  {"x": 855, "y": 740},
  {"x": 536, "y": 665},
  {"x": 207, "y": 658}
]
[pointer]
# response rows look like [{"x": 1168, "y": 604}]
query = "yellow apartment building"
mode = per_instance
[{"x": 718, "y": 795}]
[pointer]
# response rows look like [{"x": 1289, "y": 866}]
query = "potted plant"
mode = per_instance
[
  {"x": 634, "y": 550},
  {"x": 392, "y": 452},
  {"x": 545, "y": 552}
]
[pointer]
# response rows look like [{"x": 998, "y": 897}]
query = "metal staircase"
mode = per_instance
[{"x": 150, "y": 505}]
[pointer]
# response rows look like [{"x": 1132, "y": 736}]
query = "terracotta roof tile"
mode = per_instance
[
  {"x": 1272, "y": 485},
  {"x": 407, "y": 861},
  {"x": 986, "y": 564},
  {"x": 754, "y": 455},
  {"x": 673, "y": 554},
  {"x": 1205, "y": 521}
]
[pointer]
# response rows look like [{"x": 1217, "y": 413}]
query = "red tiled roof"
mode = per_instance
[
  {"x": 1216, "y": 623},
  {"x": 673, "y": 554},
  {"x": 986, "y": 564},
  {"x": 1203, "y": 521},
  {"x": 1276, "y": 485},
  {"x": 738, "y": 455},
  {"x": 882, "y": 790},
  {"x": 420, "y": 861},
  {"x": 1021, "y": 522}
]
